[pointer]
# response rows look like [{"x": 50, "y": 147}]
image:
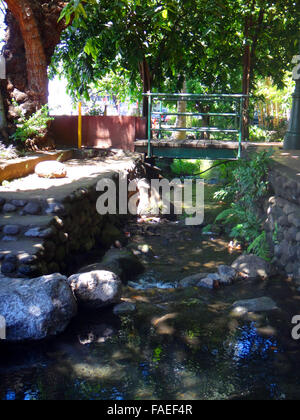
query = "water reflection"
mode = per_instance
[
  {"x": 180, "y": 344},
  {"x": 249, "y": 344},
  {"x": 127, "y": 358}
]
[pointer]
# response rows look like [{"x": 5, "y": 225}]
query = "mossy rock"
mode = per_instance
[
  {"x": 121, "y": 262},
  {"x": 110, "y": 234}
]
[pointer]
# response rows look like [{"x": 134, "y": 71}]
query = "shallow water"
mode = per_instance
[{"x": 180, "y": 344}]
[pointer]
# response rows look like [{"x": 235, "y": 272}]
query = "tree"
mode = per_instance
[
  {"x": 224, "y": 44},
  {"x": 267, "y": 34},
  {"x": 150, "y": 39},
  {"x": 33, "y": 31}
]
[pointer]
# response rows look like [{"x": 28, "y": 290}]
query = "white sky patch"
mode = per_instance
[{"x": 60, "y": 102}]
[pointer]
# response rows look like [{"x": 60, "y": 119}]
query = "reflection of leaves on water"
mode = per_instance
[{"x": 248, "y": 344}]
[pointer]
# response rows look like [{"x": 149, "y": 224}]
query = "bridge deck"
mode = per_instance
[
  {"x": 194, "y": 144},
  {"x": 197, "y": 149}
]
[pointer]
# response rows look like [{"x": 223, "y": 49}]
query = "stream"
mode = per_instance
[{"x": 180, "y": 344}]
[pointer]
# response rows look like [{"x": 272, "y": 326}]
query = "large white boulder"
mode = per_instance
[
  {"x": 96, "y": 289},
  {"x": 36, "y": 309},
  {"x": 51, "y": 169}
]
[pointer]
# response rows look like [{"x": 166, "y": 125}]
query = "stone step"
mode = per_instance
[
  {"x": 14, "y": 227},
  {"x": 20, "y": 258},
  {"x": 23, "y": 221},
  {"x": 21, "y": 247}
]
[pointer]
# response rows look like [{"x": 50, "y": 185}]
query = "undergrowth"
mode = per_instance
[
  {"x": 246, "y": 188},
  {"x": 32, "y": 126}
]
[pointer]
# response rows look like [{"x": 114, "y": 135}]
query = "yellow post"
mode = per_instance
[{"x": 79, "y": 125}]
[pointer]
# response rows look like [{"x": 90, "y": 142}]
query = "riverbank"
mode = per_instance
[{"x": 169, "y": 339}]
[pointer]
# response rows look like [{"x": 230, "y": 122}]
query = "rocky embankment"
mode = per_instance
[{"x": 43, "y": 307}]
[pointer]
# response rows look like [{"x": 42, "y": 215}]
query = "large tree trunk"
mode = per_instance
[
  {"x": 147, "y": 85},
  {"x": 252, "y": 30},
  {"x": 32, "y": 35},
  {"x": 204, "y": 109}
]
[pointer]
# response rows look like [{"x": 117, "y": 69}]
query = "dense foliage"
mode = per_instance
[
  {"x": 161, "y": 43},
  {"x": 247, "y": 187}
]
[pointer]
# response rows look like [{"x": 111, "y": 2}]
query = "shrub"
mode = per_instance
[
  {"x": 258, "y": 134},
  {"x": 33, "y": 126},
  {"x": 245, "y": 192},
  {"x": 183, "y": 167}
]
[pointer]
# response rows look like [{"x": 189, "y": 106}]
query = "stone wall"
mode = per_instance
[
  {"x": 282, "y": 222},
  {"x": 40, "y": 238}
]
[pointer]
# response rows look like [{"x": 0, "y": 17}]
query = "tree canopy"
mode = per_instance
[{"x": 163, "y": 42}]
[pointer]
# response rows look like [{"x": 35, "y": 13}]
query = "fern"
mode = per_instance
[
  {"x": 260, "y": 247},
  {"x": 246, "y": 189}
]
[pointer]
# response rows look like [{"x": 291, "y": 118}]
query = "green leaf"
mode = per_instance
[{"x": 165, "y": 14}]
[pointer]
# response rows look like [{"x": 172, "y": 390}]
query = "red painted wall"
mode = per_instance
[{"x": 100, "y": 132}]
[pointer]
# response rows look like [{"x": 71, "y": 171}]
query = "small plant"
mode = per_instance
[
  {"x": 33, "y": 126},
  {"x": 258, "y": 134},
  {"x": 8, "y": 152}
]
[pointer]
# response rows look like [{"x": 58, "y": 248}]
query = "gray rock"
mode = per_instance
[
  {"x": 210, "y": 281},
  {"x": 32, "y": 233},
  {"x": 12, "y": 258},
  {"x": 124, "y": 308},
  {"x": 19, "y": 203},
  {"x": 263, "y": 304},
  {"x": 252, "y": 267},
  {"x": 55, "y": 208},
  {"x": 37, "y": 308},
  {"x": 32, "y": 208},
  {"x": 8, "y": 268},
  {"x": 121, "y": 262},
  {"x": 227, "y": 275},
  {"x": 11, "y": 230},
  {"x": 38, "y": 233},
  {"x": 9, "y": 208},
  {"x": 27, "y": 270},
  {"x": 51, "y": 169},
  {"x": 96, "y": 289},
  {"x": 193, "y": 280}
]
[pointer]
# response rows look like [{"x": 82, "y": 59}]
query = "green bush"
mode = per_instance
[
  {"x": 247, "y": 188},
  {"x": 257, "y": 134},
  {"x": 33, "y": 126},
  {"x": 185, "y": 167}
]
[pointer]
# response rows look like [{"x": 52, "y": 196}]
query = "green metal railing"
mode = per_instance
[{"x": 235, "y": 101}]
